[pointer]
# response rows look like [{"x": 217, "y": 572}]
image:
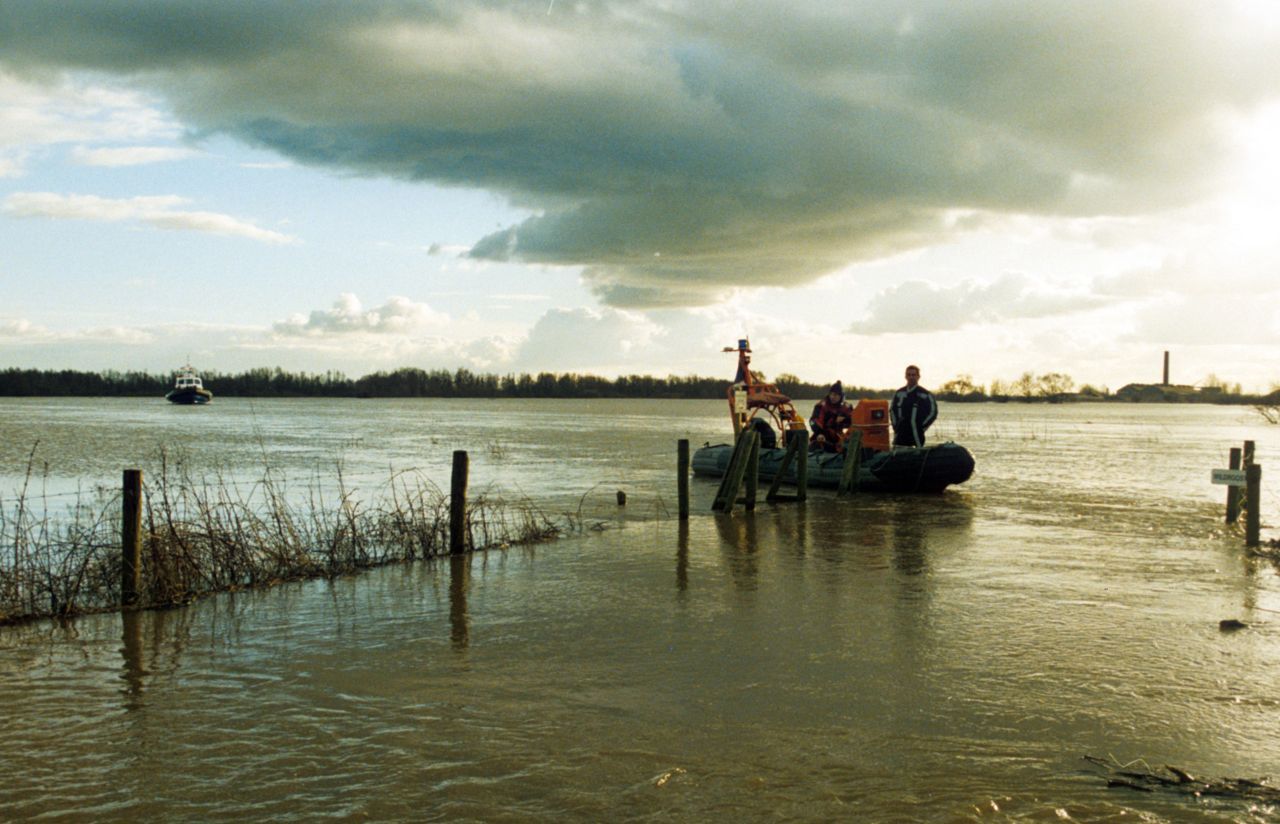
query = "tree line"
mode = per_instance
[
  {"x": 1058, "y": 387},
  {"x": 400, "y": 383},
  {"x": 463, "y": 383}
]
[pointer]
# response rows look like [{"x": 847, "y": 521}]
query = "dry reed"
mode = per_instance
[{"x": 212, "y": 534}]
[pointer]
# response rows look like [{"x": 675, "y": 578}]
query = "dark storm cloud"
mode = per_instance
[{"x": 677, "y": 149}]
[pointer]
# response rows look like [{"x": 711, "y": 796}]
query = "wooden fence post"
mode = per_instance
[
  {"x": 131, "y": 537},
  {"x": 1253, "y": 495},
  {"x": 753, "y": 471},
  {"x": 1233, "y": 492},
  {"x": 792, "y": 439},
  {"x": 682, "y": 478},
  {"x": 458, "y": 504},
  {"x": 852, "y": 462},
  {"x": 727, "y": 496},
  {"x": 802, "y": 465}
]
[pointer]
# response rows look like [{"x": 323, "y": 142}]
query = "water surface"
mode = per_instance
[{"x": 940, "y": 658}]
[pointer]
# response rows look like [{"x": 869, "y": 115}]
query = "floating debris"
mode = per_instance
[
  {"x": 1174, "y": 779},
  {"x": 1231, "y": 624}
]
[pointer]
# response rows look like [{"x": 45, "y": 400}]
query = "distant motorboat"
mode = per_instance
[{"x": 188, "y": 388}]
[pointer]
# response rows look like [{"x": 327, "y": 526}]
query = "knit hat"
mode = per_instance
[{"x": 837, "y": 388}]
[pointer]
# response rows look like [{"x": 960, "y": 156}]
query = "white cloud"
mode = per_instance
[
  {"x": 20, "y": 331},
  {"x": 917, "y": 306},
  {"x": 17, "y": 330},
  {"x": 161, "y": 211},
  {"x": 1210, "y": 320},
  {"x": 64, "y": 110},
  {"x": 12, "y": 164},
  {"x": 399, "y": 316},
  {"x": 578, "y": 339},
  {"x": 128, "y": 155}
]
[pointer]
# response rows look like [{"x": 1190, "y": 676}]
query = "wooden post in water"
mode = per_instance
[
  {"x": 1233, "y": 492},
  {"x": 458, "y": 503},
  {"x": 727, "y": 495},
  {"x": 753, "y": 471},
  {"x": 1246, "y": 461},
  {"x": 1253, "y": 495},
  {"x": 682, "y": 478},
  {"x": 131, "y": 537},
  {"x": 802, "y": 465},
  {"x": 723, "y": 499},
  {"x": 852, "y": 462},
  {"x": 724, "y": 496},
  {"x": 738, "y": 467},
  {"x": 792, "y": 437}
]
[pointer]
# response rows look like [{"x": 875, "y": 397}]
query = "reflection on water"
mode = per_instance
[
  {"x": 131, "y": 650},
  {"x": 939, "y": 658},
  {"x": 682, "y": 557},
  {"x": 459, "y": 582}
]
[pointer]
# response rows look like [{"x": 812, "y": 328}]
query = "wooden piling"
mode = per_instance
[
  {"x": 131, "y": 537},
  {"x": 723, "y": 499},
  {"x": 459, "y": 617},
  {"x": 1233, "y": 492},
  {"x": 738, "y": 468},
  {"x": 802, "y": 465},
  {"x": 682, "y": 478},
  {"x": 1253, "y": 495},
  {"x": 793, "y": 438},
  {"x": 727, "y": 495},
  {"x": 458, "y": 503},
  {"x": 852, "y": 462},
  {"x": 752, "y": 471}
]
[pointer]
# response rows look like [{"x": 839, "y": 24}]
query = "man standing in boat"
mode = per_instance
[
  {"x": 912, "y": 411},
  {"x": 831, "y": 417}
]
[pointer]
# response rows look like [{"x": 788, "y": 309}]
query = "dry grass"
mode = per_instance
[{"x": 211, "y": 534}]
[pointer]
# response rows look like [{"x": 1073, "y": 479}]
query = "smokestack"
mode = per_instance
[{"x": 1166, "y": 367}]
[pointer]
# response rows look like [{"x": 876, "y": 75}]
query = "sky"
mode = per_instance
[{"x": 980, "y": 188}]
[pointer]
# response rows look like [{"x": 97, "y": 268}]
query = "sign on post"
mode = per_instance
[{"x": 1229, "y": 477}]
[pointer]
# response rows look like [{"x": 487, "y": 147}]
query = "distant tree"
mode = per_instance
[
  {"x": 961, "y": 386},
  {"x": 1212, "y": 381},
  {"x": 1054, "y": 384},
  {"x": 1269, "y": 406},
  {"x": 1025, "y": 386}
]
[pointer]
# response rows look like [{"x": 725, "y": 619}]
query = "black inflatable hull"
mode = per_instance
[{"x": 902, "y": 469}]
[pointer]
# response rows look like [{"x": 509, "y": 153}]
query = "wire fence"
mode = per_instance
[{"x": 60, "y": 554}]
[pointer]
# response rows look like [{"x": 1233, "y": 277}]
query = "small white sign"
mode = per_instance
[
  {"x": 1229, "y": 477},
  {"x": 740, "y": 400}
]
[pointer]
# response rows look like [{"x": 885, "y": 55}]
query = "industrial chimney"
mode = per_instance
[{"x": 1166, "y": 368}]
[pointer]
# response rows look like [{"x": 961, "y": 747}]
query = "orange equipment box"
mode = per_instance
[{"x": 871, "y": 417}]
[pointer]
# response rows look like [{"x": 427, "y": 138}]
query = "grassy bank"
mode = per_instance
[{"x": 208, "y": 534}]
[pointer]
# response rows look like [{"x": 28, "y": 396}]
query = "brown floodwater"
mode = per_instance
[{"x": 935, "y": 658}]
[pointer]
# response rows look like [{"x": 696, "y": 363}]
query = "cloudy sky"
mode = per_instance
[{"x": 983, "y": 188}]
